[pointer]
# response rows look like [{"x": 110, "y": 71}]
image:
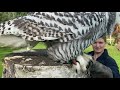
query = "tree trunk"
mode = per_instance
[{"x": 36, "y": 65}]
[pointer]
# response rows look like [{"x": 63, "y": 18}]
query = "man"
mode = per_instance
[{"x": 101, "y": 55}]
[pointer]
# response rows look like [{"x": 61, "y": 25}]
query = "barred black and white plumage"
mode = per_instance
[{"x": 69, "y": 32}]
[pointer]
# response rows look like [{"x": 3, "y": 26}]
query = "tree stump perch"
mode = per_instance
[{"x": 35, "y": 65}]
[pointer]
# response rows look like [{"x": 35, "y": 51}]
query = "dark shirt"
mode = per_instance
[{"x": 108, "y": 61}]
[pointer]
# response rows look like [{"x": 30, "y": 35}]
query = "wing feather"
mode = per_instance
[{"x": 64, "y": 26}]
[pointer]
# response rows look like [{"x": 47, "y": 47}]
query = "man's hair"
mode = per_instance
[{"x": 104, "y": 38}]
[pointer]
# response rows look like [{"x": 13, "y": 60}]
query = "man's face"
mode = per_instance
[{"x": 99, "y": 45}]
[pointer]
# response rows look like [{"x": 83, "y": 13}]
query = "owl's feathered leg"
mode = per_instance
[
  {"x": 81, "y": 63},
  {"x": 76, "y": 66}
]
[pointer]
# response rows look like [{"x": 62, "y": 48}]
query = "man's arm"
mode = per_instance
[
  {"x": 98, "y": 70},
  {"x": 110, "y": 62}
]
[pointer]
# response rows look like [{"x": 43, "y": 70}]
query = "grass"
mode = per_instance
[
  {"x": 6, "y": 50},
  {"x": 111, "y": 50},
  {"x": 3, "y": 52}
]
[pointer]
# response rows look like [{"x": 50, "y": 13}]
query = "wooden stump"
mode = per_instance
[{"x": 36, "y": 65}]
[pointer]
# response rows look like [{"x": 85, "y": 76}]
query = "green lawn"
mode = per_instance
[
  {"x": 3, "y": 52},
  {"x": 111, "y": 49}
]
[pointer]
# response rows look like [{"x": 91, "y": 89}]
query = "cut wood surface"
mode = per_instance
[{"x": 36, "y": 65}]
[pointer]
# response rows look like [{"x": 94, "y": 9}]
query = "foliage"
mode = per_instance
[{"x": 10, "y": 15}]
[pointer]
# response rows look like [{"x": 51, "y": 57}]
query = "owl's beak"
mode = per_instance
[{"x": 74, "y": 62}]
